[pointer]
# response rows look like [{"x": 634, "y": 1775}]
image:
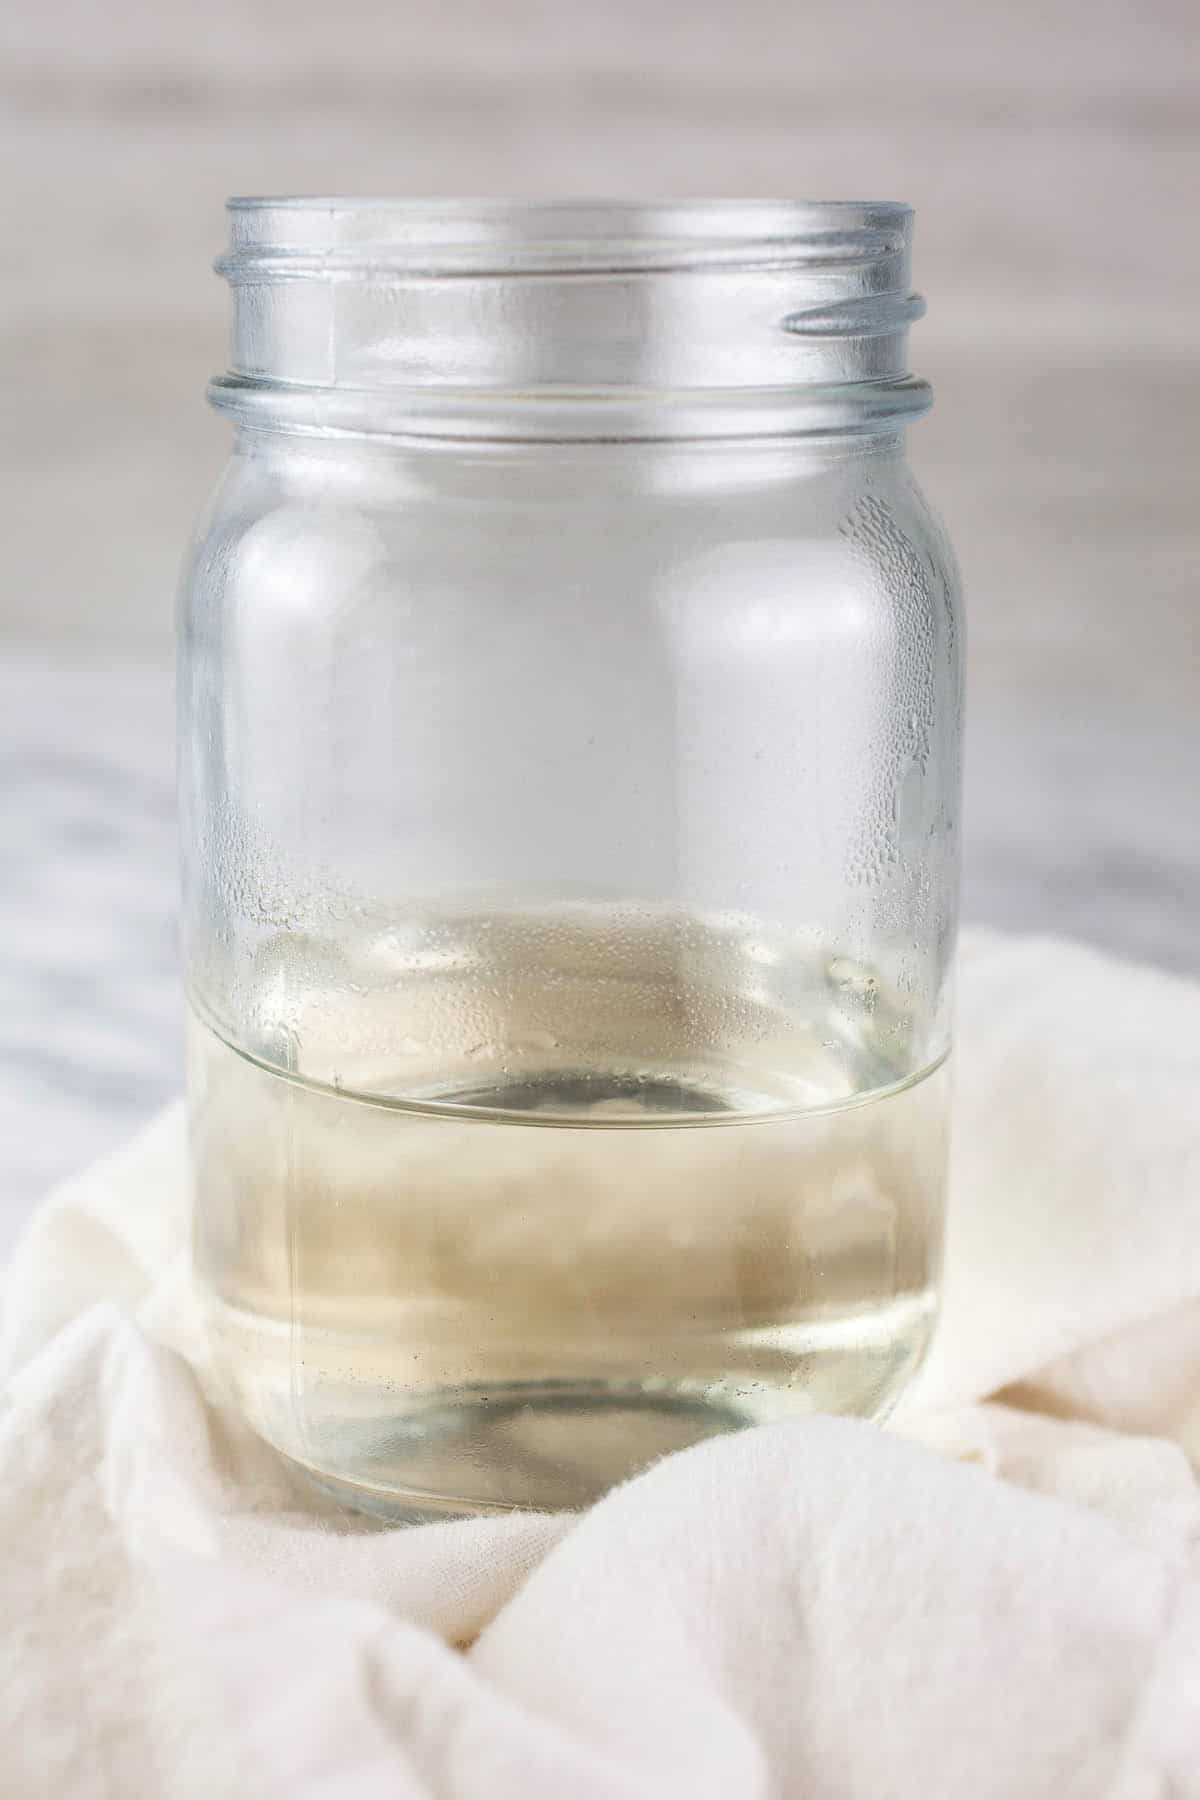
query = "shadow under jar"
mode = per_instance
[{"x": 570, "y": 695}]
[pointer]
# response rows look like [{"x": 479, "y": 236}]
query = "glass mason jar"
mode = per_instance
[{"x": 570, "y": 699}]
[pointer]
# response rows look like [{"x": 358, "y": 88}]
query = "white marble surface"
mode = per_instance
[{"x": 89, "y": 1008}]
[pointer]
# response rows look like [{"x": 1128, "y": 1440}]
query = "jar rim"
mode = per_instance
[{"x": 331, "y": 235}]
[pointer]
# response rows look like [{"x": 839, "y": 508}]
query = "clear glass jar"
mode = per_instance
[{"x": 571, "y": 702}]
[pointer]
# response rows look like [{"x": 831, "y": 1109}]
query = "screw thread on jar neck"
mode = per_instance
[{"x": 575, "y": 320}]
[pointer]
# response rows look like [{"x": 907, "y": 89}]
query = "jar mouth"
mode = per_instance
[
  {"x": 570, "y": 319},
  {"x": 344, "y": 235}
]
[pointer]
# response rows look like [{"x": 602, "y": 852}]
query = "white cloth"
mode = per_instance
[{"x": 811, "y": 1610}]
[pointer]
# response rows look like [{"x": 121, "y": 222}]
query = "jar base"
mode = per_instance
[
  {"x": 559, "y": 1445},
  {"x": 544, "y": 1448}
]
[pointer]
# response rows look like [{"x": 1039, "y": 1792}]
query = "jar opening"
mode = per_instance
[
  {"x": 438, "y": 310},
  {"x": 330, "y": 236}
]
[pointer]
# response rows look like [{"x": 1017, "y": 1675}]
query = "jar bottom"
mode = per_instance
[
  {"x": 492, "y": 1210},
  {"x": 547, "y": 1445}
]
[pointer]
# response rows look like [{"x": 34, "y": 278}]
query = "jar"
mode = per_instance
[{"x": 570, "y": 716}]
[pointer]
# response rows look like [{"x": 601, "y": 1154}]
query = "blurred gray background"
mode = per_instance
[{"x": 1052, "y": 153}]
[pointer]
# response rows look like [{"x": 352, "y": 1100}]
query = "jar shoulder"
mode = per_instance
[{"x": 300, "y": 532}]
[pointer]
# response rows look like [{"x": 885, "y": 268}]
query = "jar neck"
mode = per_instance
[{"x": 502, "y": 321}]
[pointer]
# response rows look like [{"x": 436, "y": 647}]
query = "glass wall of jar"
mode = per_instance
[{"x": 570, "y": 717}]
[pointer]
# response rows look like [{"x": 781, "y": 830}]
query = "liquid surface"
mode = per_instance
[{"x": 491, "y": 1211}]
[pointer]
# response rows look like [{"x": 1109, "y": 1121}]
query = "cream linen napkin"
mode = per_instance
[{"x": 1008, "y": 1606}]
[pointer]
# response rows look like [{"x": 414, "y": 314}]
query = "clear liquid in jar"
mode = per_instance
[{"x": 494, "y": 1208}]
